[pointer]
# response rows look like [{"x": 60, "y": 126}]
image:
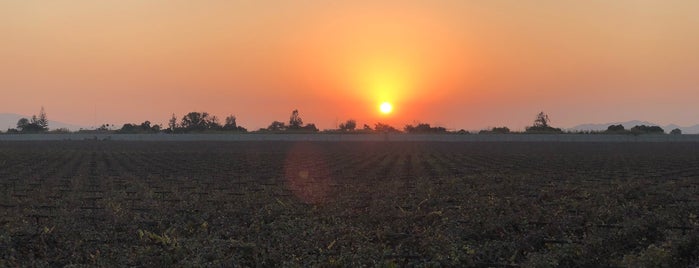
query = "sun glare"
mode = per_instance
[{"x": 386, "y": 108}]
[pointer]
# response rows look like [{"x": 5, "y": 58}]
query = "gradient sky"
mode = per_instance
[{"x": 458, "y": 64}]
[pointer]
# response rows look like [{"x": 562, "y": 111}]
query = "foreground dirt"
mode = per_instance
[{"x": 114, "y": 203}]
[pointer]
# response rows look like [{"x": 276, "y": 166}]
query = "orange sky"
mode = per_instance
[{"x": 458, "y": 64}]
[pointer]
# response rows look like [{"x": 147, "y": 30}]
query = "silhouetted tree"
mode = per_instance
[
  {"x": 144, "y": 127},
  {"x": 310, "y": 127},
  {"x": 197, "y": 121},
  {"x": 367, "y": 128},
  {"x": 212, "y": 123},
  {"x": 676, "y": 131},
  {"x": 381, "y": 127},
  {"x": 295, "y": 124},
  {"x": 350, "y": 125},
  {"x": 424, "y": 128},
  {"x": 276, "y": 126},
  {"x": 172, "y": 124},
  {"x": 541, "y": 125},
  {"x": 542, "y": 120},
  {"x": 22, "y": 124},
  {"x": 129, "y": 128},
  {"x": 643, "y": 129},
  {"x": 43, "y": 121},
  {"x": 295, "y": 121},
  {"x": 232, "y": 125},
  {"x": 496, "y": 130},
  {"x": 616, "y": 129}
]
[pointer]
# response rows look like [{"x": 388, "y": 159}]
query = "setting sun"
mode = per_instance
[{"x": 386, "y": 108}]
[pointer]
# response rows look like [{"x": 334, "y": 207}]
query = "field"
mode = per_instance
[{"x": 522, "y": 204}]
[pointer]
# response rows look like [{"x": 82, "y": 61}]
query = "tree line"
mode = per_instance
[{"x": 198, "y": 122}]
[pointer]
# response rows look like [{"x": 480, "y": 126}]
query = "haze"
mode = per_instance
[{"x": 459, "y": 64}]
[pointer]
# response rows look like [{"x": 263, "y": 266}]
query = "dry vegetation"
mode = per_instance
[{"x": 111, "y": 203}]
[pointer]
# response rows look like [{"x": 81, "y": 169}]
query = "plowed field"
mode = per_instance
[{"x": 113, "y": 203}]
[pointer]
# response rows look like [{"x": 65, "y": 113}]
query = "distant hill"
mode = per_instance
[
  {"x": 629, "y": 124},
  {"x": 8, "y": 120}
]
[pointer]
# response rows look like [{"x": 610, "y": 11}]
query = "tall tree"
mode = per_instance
[
  {"x": 172, "y": 124},
  {"x": 295, "y": 121},
  {"x": 542, "y": 120},
  {"x": 43, "y": 121},
  {"x": 230, "y": 123}
]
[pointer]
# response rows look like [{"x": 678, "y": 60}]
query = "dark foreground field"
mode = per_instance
[{"x": 110, "y": 203}]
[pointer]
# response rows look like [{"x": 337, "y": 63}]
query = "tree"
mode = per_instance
[
  {"x": 22, "y": 124},
  {"x": 230, "y": 123},
  {"x": 276, "y": 126},
  {"x": 643, "y": 129},
  {"x": 616, "y": 129},
  {"x": 295, "y": 121},
  {"x": 350, "y": 125},
  {"x": 197, "y": 121},
  {"x": 381, "y": 127},
  {"x": 542, "y": 120},
  {"x": 463, "y": 132},
  {"x": 310, "y": 127},
  {"x": 43, "y": 121},
  {"x": 424, "y": 128},
  {"x": 541, "y": 125},
  {"x": 213, "y": 123},
  {"x": 676, "y": 131},
  {"x": 129, "y": 128},
  {"x": 145, "y": 126},
  {"x": 496, "y": 130},
  {"x": 172, "y": 124}
]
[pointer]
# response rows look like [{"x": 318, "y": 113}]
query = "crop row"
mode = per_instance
[{"x": 348, "y": 204}]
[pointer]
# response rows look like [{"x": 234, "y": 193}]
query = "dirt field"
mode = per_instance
[{"x": 499, "y": 204}]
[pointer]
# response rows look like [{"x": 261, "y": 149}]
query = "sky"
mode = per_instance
[{"x": 458, "y": 64}]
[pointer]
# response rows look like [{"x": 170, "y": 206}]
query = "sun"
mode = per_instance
[{"x": 386, "y": 108}]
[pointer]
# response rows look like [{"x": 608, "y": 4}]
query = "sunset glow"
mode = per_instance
[{"x": 85, "y": 61}]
